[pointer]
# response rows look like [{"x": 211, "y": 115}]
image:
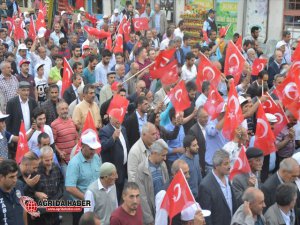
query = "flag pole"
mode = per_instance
[{"x": 138, "y": 72}]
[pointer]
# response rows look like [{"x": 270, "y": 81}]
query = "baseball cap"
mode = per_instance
[
  {"x": 3, "y": 116},
  {"x": 242, "y": 99},
  {"x": 22, "y": 47},
  {"x": 23, "y": 61},
  {"x": 81, "y": 9},
  {"x": 271, "y": 118},
  {"x": 62, "y": 13},
  {"x": 116, "y": 11},
  {"x": 280, "y": 43},
  {"x": 90, "y": 139},
  {"x": 86, "y": 47},
  {"x": 37, "y": 66},
  {"x": 211, "y": 11}
]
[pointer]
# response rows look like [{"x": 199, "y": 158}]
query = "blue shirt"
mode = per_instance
[
  {"x": 141, "y": 121},
  {"x": 226, "y": 190},
  {"x": 186, "y": 49},
  {"x": 81, "y": 172},
  {"x": 157, "y": 23},
  {"x": 195, "y": 173},
  {"x": 157, "y": 177},
  {"x": 214, "y": 140},
  {"x": 175, "y": 143},
  {"x": 90, "y": 77}
]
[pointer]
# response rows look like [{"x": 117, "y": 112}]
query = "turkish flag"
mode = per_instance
[
  {"x": 91, "y": 18},
  {"x": 178, "y": 196},
  {"x": 214, "y": 103},
  {"x": 140, "y": 24},
  {"x": 118, "y": 102},
  {"x": 207, "y": 72},
  {"x": 119, "y": 44},
  {"x": 239, "y": 42},
  {"x": 19, "y": 32},
  {"x": 258, "y": 65},
  {"x": 264, "y": 136},
  {"x": 234, "y": 62},
  {"x": 233, "y": 116},
  {"x": 32, "y": 31},
  {"x": 67, "y": 76},
  {"x": 164, "y": 57},
  {"x": 167, "y": 74},
  {"x": 270, "y": 106},
  {"x": 100, "y": 34},
  {"x": 79, "y": 4},
  {"x": 40, "y": 21},
  {"x": 125, "y": 28},
  {"x": 22, "y": 147},
  {"x": 205, "y": 37},
  {"x": 296, "y": 55},
  {"x": 9, "y": 21},
  {"x": 108, "y": 43},
  {"x": 223, "y": 31},
  {"x": 43, "y": 8},
  {"x": 179, "y": 97},
  {"x": 87, "y": 126},
  {"x": 241, "y": 164}
]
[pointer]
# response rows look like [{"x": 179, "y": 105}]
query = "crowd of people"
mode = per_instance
[{"x": 124, "y": 167}]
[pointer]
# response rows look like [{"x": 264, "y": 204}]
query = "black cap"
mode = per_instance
[
  {"x": 24, "y": 84},
  {"x": 211, "y": 11},
  {"x": 254, "y": 153},
  {"x": 110, "y": 72}
]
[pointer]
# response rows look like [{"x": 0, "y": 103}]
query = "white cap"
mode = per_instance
[
  {"x": 189, "y": 213},
  {"x": 105, "y": 17},
  {"x": 2, "y": 116},
  {"x": 271, "y": 118},
  {"x": 22, "y": 47},
  {"x": 62, "y": 13},
  {"x": 242, "y": 99},
  {"x": 280, "y": 43},
  {"x": 116, "y": 11},
  {"x": 41, "y": 32},
  {"x": 90, "y": 138},
  {"x": 296, "y": 156},
  {"x": 26, "y": 13},
  {"x": 81, "y": 9}
]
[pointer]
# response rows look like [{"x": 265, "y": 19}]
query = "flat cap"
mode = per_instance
[
  {"x": 254, "y": 153},
  {"x": 24, "y": 84}
]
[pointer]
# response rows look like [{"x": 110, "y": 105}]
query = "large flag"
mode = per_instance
[
  {"x": 91, "y": 18},
  {"x": 19, "y": 32},
  {"x": 223, "y": 31},
  {"x": 179, "y": 97},
  {"x": 100, "y": 34},
  {"x": 233, "y": 116},
  {"x": 88, "y": 126},
  {"x": 258, "y": 65},
  {"x": 241, "y": 164},
  {"x": 164, "y": 57},
  {"x": 32, "y": 30},
  {"x": 22, "y": 147},
  {"x": 140, "y": 24},
  {"x": 167, "y": 74},
  {"x": 125, "y": 28},
  {"x": 118, "y": 102},
  {"x": 67, "y": 76},
  {"x": 108, "y": 43},
  {"x": 207, "y": 72},
  {"x": 40, "y": 21},
  {"x": 178, "y": 196},
  {"x": 264, "y": 136},
  {"x": 9, "y": 22},
  {"x": 119, "y": 44},
  {"x": 234, "y": 62},
  {"x": 214, "y": 103}
]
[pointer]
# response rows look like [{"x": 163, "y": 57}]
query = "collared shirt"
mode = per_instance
[
  {"x": 56, "y": 37},
  {"x": 47, "y": 63},
  {"x": 123, "y": 143},
  {"x": 225, "y": 189},
  {"x": 141, "y": 121},
  {"x": 121, "y": 80},
  {"x": 288, "y": 53},
  {"x": 75, "y": 90},
  {"x": 206, "y": 25},
  {"x": 287, "y": 217},
  {"x": 203, "y": 130},
  {"x": 188, "y": 74},
  {"x": 178, "y": 33},
  {"x": 89, "y": 196},
  {"x": 201, "y": 100},
  {"x": 175, "y": 143},
  {"x": 81, "y": 172},
  {"x": 25, "y": 113},
  {"x": 164, "y": 44},
  {"x": 289, "y": 149},
  {"x": 101, "y": 73},
  {"x": 233, "y": 149},
  {"x": 9, "y": 87},
  {"x": 157, "y": 177},
  {"x": 157, "y": 22}
]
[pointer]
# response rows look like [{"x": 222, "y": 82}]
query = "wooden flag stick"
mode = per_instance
[{"x": 137, "y": 73}]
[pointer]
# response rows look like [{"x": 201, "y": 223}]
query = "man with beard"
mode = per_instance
[
  {"x": 25, "y": 76},
  {"x": 76, "y": 52},
  {"x": 191, "y": 157},
  {"x": 51, "y": 186},
  {"x": 50, "y": 105},
  {"x": 102, "y": 68},
  {"x": 65, "y": 134},
  {"x": 89, "y": 73}
]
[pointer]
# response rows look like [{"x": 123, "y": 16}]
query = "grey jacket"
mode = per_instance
[
  {"x": 239, "y": 218},
  {"x": 145, "y": 182},
  {"x": 163, "y": 22},
  {"x": 274, "y": 217}
]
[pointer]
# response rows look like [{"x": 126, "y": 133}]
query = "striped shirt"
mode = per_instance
[{"x": 65, "y": 135}]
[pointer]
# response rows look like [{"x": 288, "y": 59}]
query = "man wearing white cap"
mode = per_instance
[
  {"x": 281, "y": 46},
  {"x": 22, "y": 55},
  {"x": 116, "y": 17},
  {"x": 83, "y": 168},
  {"x": 102, "y": 193}
]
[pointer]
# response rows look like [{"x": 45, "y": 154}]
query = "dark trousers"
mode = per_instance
[
  {"x": 278, "y": 161},
  {"x": 76, "y": 217},
  {"x": 265, "y": 169}
]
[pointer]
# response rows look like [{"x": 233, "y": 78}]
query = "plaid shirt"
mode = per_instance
[
  {"x": 50, "y": 109},
  {"x": 8, "y": 87}
]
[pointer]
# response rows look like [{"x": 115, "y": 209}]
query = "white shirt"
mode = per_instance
[
  {"x": 89, "y": 196},
  {"x": 164, "y": 44},
  {"x": 56, "y": 37},
  {"x": 203, "y": 130},
  {"x": 233, "y": 149},
  {"x": 25, "y": 113},
  {"x": 187, "y": 74},
  {"x": 75, "y": 90},
  {"x": 178, "y": 33},
  {"x": 33, "y": 141},
  {"x": 288, "y": 53},
  {"x": 123, "y": 143},
  {"x": 286, "y": 217},
  {"x": 201, "y": 100},
  {"x": 47, "y": 63}
]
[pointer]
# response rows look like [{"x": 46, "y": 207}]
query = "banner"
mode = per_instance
[
  {"x": 226, "y": 13},
  {"x": 199, "y": 4}
]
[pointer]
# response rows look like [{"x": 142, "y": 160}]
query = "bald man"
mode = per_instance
[{"x": 251, "y": 211}]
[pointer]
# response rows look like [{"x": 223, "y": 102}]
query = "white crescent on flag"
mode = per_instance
[
  {"x": 210, "y": 70},
  {"x": 236, "y": 104},
  {"x": 265, "y": 126},
  {"x": 290, "y": 87},
  {"x": 178, "y": 98},
  {"x": 177, "y": 197}
]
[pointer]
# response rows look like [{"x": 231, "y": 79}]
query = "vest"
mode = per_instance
[
  {"x": 105, "y": 203},
  {"x": 212, "y": 24}
]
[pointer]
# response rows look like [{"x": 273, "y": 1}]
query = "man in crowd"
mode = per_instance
[{"x": 50, "y": 104}]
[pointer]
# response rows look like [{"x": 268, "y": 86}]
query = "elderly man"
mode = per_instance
[
  {"x": 83, "y": 169},
  {"x": 152, "y": 175},
  {"x": 215, "y": 192},
  {"x": 106, "y": 90},
  {"x": 120, "y": 75},
  {"x": 134, "y": 67},
  {"x": 242, "y": 181},
  {"x": 251, "y": 211},
  {"x": 159, "y": 21},
  {"x": 102, "y": 193},
  {"x": 139, "y": 151},
  {"x": 287, "y": 173}
]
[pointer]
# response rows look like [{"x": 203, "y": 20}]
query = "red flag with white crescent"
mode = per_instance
[
  {"x": 32, "y": 30},
  {"x": 22, "y": 147},
  {"x": 67, "y": 76},
  {"x": 241, "y": 164},
  {"x": 125, "y": 28},
  {"x": 258, "y": 65},
  {"x": 178, "y": 196},
  {"x": 140, "y": 24},
  {"x": 180, "y": 97},
  {"x": 264, "y": 136},
  {"x": 214, "y": 103},
  {"x": 119, "y": 44},
  {"x": 118, "y": 102}
]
